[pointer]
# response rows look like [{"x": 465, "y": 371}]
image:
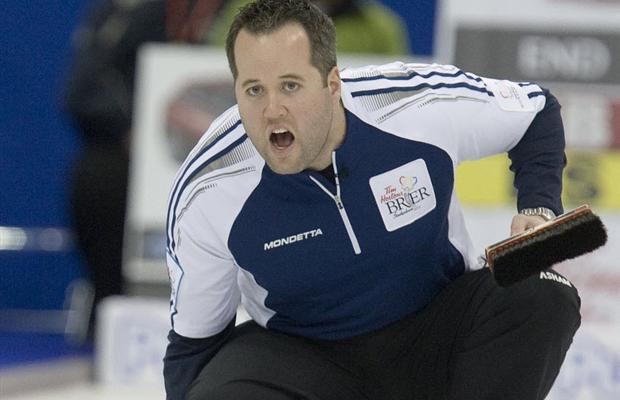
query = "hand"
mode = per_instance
[{"x": 522, "y": 223}]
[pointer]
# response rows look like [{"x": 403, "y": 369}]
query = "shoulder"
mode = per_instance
[
  {"x": 443, "y": 105},
  {"x": 382, "y": 86},
  {"x": 376, "y": 89},
  {"x": 223, "y": 153},
  {"x": 214, "y": 181},
  {"x": 223, "y": 129},
  {"x": 401, "y": 75}
]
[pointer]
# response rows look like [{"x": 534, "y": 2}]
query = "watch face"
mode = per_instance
[{"x": 546, "y": 213}]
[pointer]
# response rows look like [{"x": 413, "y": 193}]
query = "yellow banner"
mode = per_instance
[{"x": 591, "y": 177}]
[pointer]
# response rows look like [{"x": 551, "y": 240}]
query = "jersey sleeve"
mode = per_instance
[
  {"x": 204, "y": 290},
  {"x": 206, "y": 196},
  {"x": 538, "y": 160},
  {"x": 204, "y": 298},
  {"x": 202, "y": 271},
  {"x": 523, "y": 120},
  {"x": 496, "y": 124},
  {"x": 185, "y": 358},
  {"x": 468, "y": 116}
]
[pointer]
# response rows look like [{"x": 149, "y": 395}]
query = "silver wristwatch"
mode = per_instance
[{"x": 544, "y": 212}]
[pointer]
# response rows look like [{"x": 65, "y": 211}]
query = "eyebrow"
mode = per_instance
[
  {"x": 285, "y": 76},
  {"x": 291, "y": 76},
  {"x": 248, "y": 82}
]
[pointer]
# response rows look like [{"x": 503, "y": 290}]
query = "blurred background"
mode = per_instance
[{"x": 102, "y": 99}]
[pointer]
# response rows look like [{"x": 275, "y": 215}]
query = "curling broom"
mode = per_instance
[{"x": 567, "y": 236}]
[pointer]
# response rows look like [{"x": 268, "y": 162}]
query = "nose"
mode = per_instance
[{"x": 274, "y": 108}]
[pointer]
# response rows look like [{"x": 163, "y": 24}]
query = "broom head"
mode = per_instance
[{"x": 567, "y": 236}]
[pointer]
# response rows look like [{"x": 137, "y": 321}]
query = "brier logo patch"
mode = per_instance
[{"x": 404, "y": 194}]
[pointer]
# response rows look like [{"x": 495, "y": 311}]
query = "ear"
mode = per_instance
[{"x": 333, "y": 81}]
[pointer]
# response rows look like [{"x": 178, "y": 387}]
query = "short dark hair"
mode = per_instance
[{"x": 266, "y": 16}]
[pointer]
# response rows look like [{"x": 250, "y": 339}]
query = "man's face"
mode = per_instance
[{"x": 292, "y": 118}]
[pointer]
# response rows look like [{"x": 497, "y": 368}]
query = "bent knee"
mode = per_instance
[{"x": 551, "y": 297}]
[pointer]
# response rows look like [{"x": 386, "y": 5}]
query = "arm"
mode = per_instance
[
  {"x": 204, "y": 300},
  {"x": 204, "y": 291},
  {"x": 186, "y": 357},
  {"x": 523, "y": 120},
  {"x": 537, "y": 162}
]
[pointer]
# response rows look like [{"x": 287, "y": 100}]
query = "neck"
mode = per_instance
[
  {"x": 339, "y": 126},
  {"x": 335, "y": 139}
]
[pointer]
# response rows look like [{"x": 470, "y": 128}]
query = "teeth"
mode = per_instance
[{"x": 281, "y": 130}]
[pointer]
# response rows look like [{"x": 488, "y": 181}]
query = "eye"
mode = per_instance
[
  {"x": 290, "y": 86},
  {"x": 254, "y": 91}
]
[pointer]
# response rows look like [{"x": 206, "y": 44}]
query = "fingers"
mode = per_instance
[{"x": 521, "y": 223}]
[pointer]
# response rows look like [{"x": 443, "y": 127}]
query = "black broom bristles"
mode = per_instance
[{"x": 570, "y": 235}]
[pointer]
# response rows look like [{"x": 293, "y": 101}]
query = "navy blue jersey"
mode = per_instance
[{"x": 329, "y": 259}]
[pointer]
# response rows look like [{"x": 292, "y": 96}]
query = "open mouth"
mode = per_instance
[{"x": 281, "y": 139}]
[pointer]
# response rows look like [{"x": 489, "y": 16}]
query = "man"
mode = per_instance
[{"x": 324, "y": 202}]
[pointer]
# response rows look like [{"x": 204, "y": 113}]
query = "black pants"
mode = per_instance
[{"x": 475, "y": 341}]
